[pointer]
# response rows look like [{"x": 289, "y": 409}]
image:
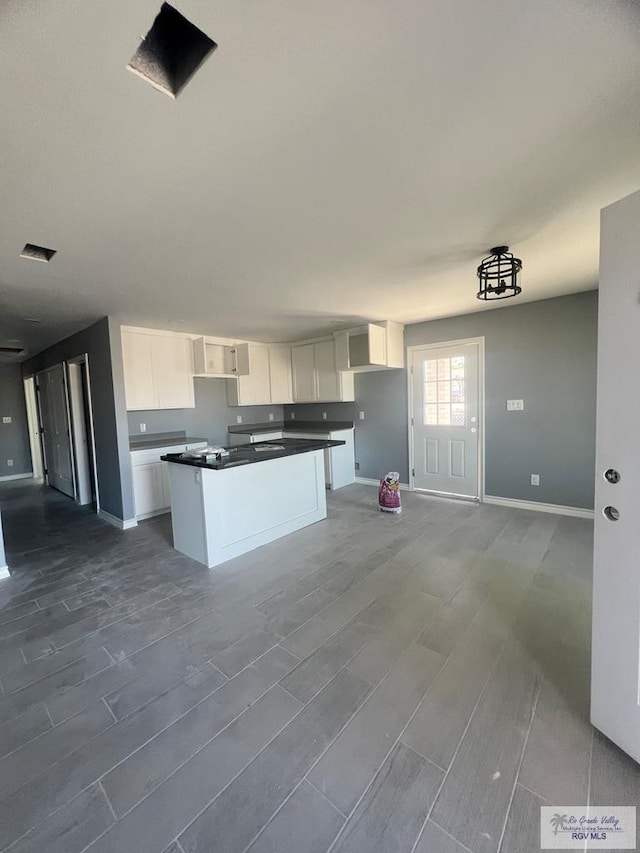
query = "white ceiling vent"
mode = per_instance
[
  {"x": 37, "y": 253},
  {"x": 171, "y": 52}
]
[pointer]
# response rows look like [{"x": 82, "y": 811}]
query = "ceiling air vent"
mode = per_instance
[
  {"x": 37, "y": 253},
  {"x": 12, "y": 350},
  {"x": 171, "y": 52}
]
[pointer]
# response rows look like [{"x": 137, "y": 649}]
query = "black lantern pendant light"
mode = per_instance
[{"x": 498, "y": 275}]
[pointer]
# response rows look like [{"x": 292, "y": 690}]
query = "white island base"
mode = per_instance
[{"x": 220, "y": 514}]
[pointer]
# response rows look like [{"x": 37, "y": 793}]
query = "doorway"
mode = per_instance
[
  {"x": 63, "y": 397},
  {"x": 33, "y": 422},
  {"x": 446, "y": 383},
  {"x": 56, "y": 438},
  {"x": 82, "y": 430}
]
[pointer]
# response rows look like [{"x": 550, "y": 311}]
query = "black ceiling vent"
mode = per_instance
[
  {"x": 37, "y": 253},
  {"x": 171, "y": 52},
  {"x": 12, "y": 350}
]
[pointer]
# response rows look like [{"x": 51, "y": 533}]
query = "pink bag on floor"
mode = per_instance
[{"x": 389, "y": 493}]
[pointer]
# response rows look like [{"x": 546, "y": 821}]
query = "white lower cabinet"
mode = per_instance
[
  {"x": 148, "y": 489},
  {"x": 339, "y": 462},
  {"x": 150, "y": 476}
]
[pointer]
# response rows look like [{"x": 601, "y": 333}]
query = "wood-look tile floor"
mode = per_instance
[{"x": 374, "y": 684}]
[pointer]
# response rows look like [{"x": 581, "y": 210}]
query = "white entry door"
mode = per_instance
[
  {"x": 615, "y": 669},
  {"x": 55, "y": 425},
  {"x": 445, "y": 418}
]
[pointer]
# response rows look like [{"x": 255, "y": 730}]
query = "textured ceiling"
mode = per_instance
[{"x": 331, "y": 161}]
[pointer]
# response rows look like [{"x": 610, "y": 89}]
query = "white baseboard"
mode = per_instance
[
  {"x": 4, "y": 572},
  {"x": 368, "y": 481},
  {"x": 6, "y": 477},
  {"x": 127, "y": 524},
  {"x": 556, "y": 509}
]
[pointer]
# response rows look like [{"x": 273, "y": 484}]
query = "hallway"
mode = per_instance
[{"x": 413, "y": 683}]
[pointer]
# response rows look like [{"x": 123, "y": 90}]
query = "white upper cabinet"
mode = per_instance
[
  {"x": 139, "y": 385},
  {"x": 375, "y": 346},
  {"x": 304, "y": 374},
  {"x": 268, "y": 380},
  {"x": 254, "y": 388},
  {"x": 280, "y": 373},
  {"x": 173, "y": 372},
  {"x": 315, "y": 375},
  {"x": 158, "y": 370},
  {"x": 327, "y": 376},
  {"x": 220, "y": 360}
]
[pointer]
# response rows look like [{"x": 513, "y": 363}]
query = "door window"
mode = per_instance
[{"x": 444, "y": 392}]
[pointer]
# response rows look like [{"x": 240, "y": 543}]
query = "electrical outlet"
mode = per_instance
[
  {"x": 9, "y": 463},
  {"x": 271, "y": 416},
  {"x": 535, "y": 479},
  {"x": 515, "y": 405},
  {"x": 324, "y": 416},
  {"x": 238, "y": 419},
  {"x": 361, "y": 415},
  {"x": 357, "y": 466},
  {"x": 143, "y": 427},
  {"x": 6, "y": 420},
  {"x": 293, "y": 416}
]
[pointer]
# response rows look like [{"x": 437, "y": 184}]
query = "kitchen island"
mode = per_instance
[{"x": 258, "y": 493}]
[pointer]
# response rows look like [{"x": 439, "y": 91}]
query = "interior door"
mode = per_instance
[
  {"x": 615, "y": 667},
  {"x": 445, "y": 419},
  {"x": 55, "y": 424}
]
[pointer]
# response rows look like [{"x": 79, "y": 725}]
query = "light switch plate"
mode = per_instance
[
  {"x": 535, "y": 479},
  {"x": 143, "y": 427},
  {"x": 271, "y": 416},
  {"x": 515, "y": 405},
  {"x": 238, "y": 419},
  {"x": 6, "y": 420},
  {"x": 324, "y": 416},
  {"x": 361, "y": 415}
]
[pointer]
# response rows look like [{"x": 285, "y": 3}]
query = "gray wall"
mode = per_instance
[
  {"x": 14, "y": 437},
  {"x": 101, "y": 341},
  {"x": 543, "y": 352},
  {"x": 209, "y": 419}
]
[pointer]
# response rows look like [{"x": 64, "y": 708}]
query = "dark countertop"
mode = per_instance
[
  {"x": 246, "y": 454},
  {"x": 160, "y": 439},
  {"x": 291, "y": 426}
]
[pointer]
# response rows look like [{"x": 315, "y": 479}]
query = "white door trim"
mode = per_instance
[
  {"x": 84, "y": 359},
  {"x": 439, "y": 345}
]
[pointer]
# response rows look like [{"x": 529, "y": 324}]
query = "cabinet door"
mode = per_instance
[
  {"x": 304, "y": 374},
  {"x": 280, "y": 370},
  {"x": 260, "y": 375},
  {"x": 328, "y": 380},
  {"x": 148, "y": 488},
  {"x": 139, "y": 385},
  {"x": 173, "y": 372},
  {"x": 254, "y": 389}
]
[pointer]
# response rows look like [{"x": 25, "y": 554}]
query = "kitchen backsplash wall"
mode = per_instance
[{"x": 209, "y": 419}]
